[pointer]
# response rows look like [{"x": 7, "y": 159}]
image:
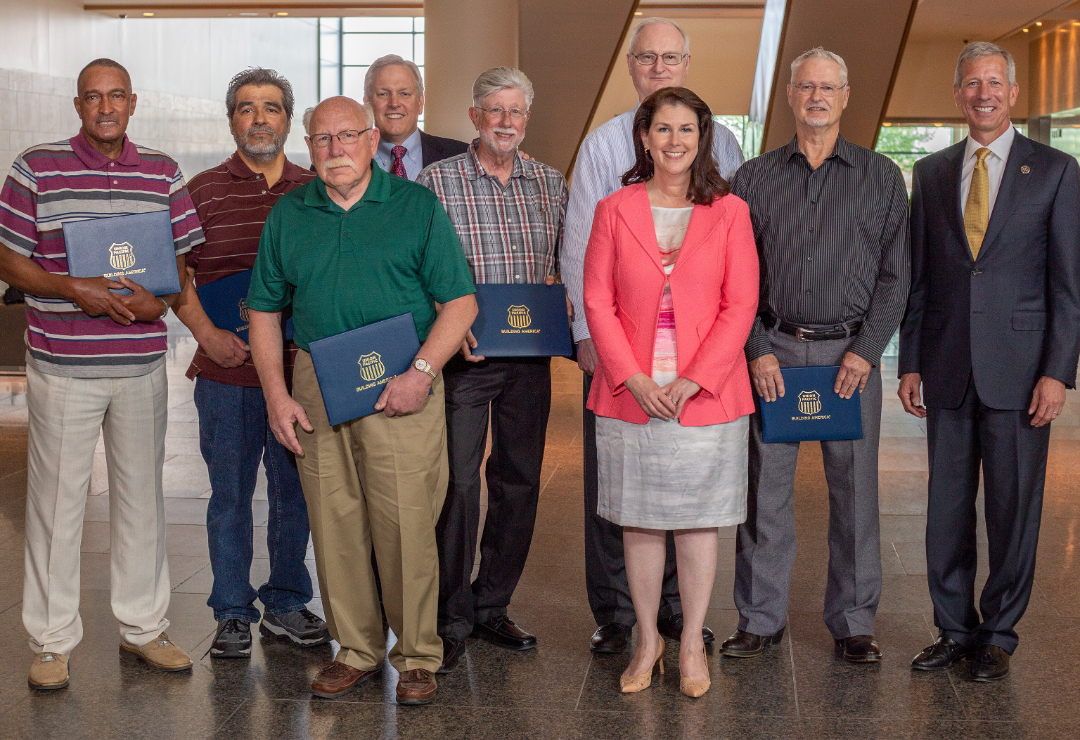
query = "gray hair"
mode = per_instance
[
  {"x": 978, "y": 50},
  {"x": 388, "y": 61},
  {"x": 819, "y": 52},
  {"x": 652, "y": 22},
  {"x": 501, "y": 78},
  {"x": 369, "y": 113},
  {"x": 259, "y": 76}
]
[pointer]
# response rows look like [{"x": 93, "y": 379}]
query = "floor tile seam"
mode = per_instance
[
  {"x": 585, "y": 678},
  {"x": 900, "y": 559},
  {"x": 232, "y": 714},
  {"x": 200, "y": 570},
  {"x": 5, "y": 611},
  {"x": 894, "y": 718},
  {"x": 13, "y": 472},
  {"x": 551, "y": 477},
  {"x": 952, "y": 680}
]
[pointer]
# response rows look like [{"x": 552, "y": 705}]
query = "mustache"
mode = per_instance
[
  {"x": 261, "y": 128},
  {"x": 339, "y": 162},
  {"x": 509, "y": 131},
  {"x": 107, "y": 119}
]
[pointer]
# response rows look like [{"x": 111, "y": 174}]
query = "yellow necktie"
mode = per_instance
[{"x": 977, "y": 212}]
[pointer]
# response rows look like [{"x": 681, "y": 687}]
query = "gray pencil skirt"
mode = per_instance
[{"x": 662, "y": 475}]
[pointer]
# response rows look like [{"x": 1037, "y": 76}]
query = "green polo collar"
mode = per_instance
[{"x": 378, "y": 191}]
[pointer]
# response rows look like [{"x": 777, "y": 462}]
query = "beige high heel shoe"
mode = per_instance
[
  {"x": 633, "y": 684},
  {"x": 694, "y": 688}
]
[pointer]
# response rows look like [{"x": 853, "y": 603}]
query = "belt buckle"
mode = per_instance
[{"x": 803, "y": 335}]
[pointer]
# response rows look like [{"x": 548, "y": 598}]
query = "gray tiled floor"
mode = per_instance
[{"x": 797, "y": 690}]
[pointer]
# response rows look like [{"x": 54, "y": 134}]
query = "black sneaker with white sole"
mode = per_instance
[
  {"x": 233, "y": 640},
  {"x": 302, "y": 627}
]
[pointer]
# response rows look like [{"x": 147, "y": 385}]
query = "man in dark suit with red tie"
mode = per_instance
[
  {"x": 394, "y": 88},
  {"x": 992, "y": 333}
]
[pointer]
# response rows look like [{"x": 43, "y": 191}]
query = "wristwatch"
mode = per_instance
[
  {"x": 165, "y": 310},
  {"x": 423, "y": 366}
]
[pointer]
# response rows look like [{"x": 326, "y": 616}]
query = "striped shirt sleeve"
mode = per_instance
[
  {"x": 187, "y": 232},
  {"x": 18, "y": 209}
]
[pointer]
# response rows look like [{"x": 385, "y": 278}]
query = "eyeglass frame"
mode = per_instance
[
  {"x": 637, "y": 58},
  {"x": 808, "y": 88},
  {"x": 488, "y": 112},
  {"x": 338, "y": 136}
]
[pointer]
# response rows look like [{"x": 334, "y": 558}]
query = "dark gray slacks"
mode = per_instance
[
  {"x": 605, "y": 567},
  {"x": 1013, "y": 456},
  {"x": 765, "y": 546},
  {"x": 515, "y": 394}
]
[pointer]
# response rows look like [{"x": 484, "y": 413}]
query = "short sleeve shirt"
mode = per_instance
[
  {"x": 392, "y": 252},
  {"x": 232, "y": 203},
  {"x": 51, "y": 184}
]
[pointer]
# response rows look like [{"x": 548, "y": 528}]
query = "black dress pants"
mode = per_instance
[
  {"x": 1013, "y": 456},
  {"x": 605, "y": 568},
  {"x": 518, "y": 394}
]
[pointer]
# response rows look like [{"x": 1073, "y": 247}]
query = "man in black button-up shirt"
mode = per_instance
[{"x": 830, "y": 220}]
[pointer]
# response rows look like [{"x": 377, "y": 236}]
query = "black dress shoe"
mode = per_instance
[
  {"x": 610, "y": 638},
  {"x": 859, "y": 649},
  {"x": 671, "y": 628},
  {"x": 452, "y": 650},
  {"x": 943, "y": 653},
  {"x": 504, "y": 633},
  {"x": 744, "y": 644},
  {"x": 991, "y": 663}
]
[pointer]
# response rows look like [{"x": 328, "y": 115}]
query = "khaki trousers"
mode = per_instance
[
  {"x": 66, "y": 415},
  {"x": 375, "y": 482}
]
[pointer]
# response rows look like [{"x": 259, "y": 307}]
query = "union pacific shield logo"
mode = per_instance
[
  {"x": 371, "y": 367},
  {"x": 244, "y": 310},
  {"x": 121, "y": 256},
  {"x": 518, "y": 317},
  {"x": 809, "y": 402}
]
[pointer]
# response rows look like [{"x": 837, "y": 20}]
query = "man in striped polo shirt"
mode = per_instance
[
  {"x": 233, "y": 200},
  {"x": 95, "y": 361}
]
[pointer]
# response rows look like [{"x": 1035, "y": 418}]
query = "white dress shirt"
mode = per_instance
[
  {"x": 605, "y": 156},
  {"x": 995, "y": 166},
  {"x": 413, "y": 159}
]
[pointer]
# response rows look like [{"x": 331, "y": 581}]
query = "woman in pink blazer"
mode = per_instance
[{"x": 671, "y": 289}]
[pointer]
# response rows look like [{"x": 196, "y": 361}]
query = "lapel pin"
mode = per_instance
[{"x": 1025, "y": 170}]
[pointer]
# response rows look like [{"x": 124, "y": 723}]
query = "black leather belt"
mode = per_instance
[{"x": 804, "y": 334}]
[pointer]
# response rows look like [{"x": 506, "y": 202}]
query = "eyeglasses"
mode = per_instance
[
  {"x": 516, "y": 114},
  {"x": 826, "y": 90},
  {"x": 321, "y": 141},
  {"x": 669, "y": 59}
]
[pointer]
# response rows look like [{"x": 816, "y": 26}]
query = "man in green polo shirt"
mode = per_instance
[{"x": 353, "y": 247}]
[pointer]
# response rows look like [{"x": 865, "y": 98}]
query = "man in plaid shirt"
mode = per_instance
[{"x": 508, "y": 213}]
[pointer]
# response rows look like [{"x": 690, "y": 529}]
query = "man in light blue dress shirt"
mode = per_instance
[{"x": 659, "y": 57}]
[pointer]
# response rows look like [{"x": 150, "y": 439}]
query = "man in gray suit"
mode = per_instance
[{"x": 992, "y": 333}]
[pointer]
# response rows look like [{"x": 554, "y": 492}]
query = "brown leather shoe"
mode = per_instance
[
  {"x": 160, "y": 653},
  {"x": 48, "y": 671},
  {"x": 416, "y": 687},
  {"x": 337, "y": 678},
  {"x": 745, "y": 644},
  {"x": 859, "y": 649}
]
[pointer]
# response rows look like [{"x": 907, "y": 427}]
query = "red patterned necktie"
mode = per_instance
[{"x": 397, "y": 166}]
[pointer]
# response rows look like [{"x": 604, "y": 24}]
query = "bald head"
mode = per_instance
[
  {"x": 338, "y": 108},
  {"x": 344, "y": 166}
]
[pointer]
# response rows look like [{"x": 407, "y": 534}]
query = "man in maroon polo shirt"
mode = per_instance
[{"x": 233, "y": 201}]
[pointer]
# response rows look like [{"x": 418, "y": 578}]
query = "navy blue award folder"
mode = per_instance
[
  {"x": 225, "y": 302},
  {"x": 352, "y": 367},
  {"x": 522, "y": 321},
  {"x": 139, "y": 247},
  {"x": 810, "y": 409}
]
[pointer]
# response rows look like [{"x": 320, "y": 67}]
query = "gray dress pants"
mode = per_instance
[{"x": 765, "y": 549}]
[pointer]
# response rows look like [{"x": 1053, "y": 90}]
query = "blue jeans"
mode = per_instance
[{"x": 233, "y": 435}]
